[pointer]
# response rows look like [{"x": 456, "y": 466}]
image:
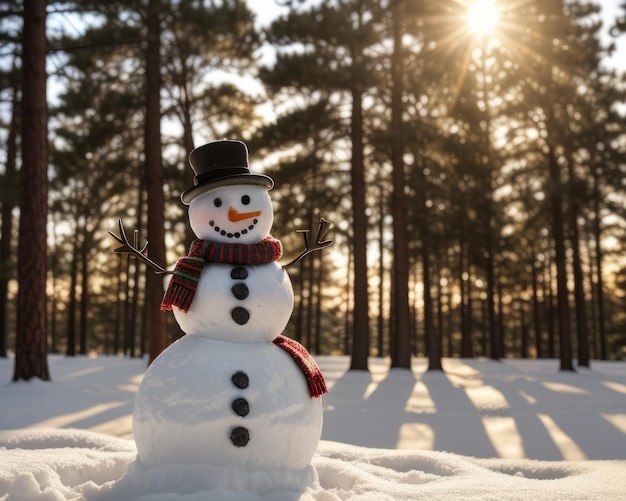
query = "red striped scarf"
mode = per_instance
[
  {"x": 310, "y": 369},
  {"x": 184, "y": 282}
]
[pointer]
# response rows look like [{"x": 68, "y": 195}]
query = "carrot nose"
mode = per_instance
[{"x": 234, "y": 215}]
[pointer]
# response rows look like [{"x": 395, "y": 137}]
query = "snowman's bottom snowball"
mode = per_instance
[
  {"x": 189, "y": 479},
  {"x": 184, "y": 414}
]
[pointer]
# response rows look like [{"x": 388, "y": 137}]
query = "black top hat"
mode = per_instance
[{"x": 221, "y": 163}]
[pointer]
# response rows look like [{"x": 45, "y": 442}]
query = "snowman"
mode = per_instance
[{"x": 232, "y": 395}]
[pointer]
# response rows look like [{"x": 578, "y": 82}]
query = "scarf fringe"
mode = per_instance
[
  {"x": 183, "y": 283},
  {"x": 179, "y": 295},
  {"x": 308, "y": 366}
]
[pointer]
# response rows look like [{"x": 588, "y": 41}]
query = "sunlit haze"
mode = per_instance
[{"x": 482, "y": 16}]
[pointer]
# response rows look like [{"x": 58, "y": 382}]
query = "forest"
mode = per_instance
[{"x": 470, "y": 154}]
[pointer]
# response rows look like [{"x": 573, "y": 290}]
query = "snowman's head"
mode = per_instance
[{"x": 237, "y": 214}]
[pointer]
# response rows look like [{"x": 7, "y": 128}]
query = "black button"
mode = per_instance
[
  {"x": 241, "y": 407},
  {"x": 240, "y": 436},
  {"x": 239, "y": 273},
  {"x": 240, "y": 291},
  {"x": 240, "y": 315},
  {"x": 240, "y": 379}
]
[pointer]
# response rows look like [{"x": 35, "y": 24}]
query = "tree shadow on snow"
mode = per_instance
[
  {"x": 558, "y": 415},
  {"x": 355, "y": 406}
]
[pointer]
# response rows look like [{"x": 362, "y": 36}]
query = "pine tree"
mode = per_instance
[
  {"x": 401, "y": 349},
  {"x": 31, "y": 338},
  {"x": 94, "y": 124},
  {"x": 8, "y": 200},
  {"x": 207, "y": 47},
  {"x": 336, "y": 37},
  {"x": 154, "y": 179}
]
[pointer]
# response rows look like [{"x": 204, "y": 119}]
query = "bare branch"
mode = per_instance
[
  {"x": 318, "y": 244},
  {"x": 128, "y": 249}
]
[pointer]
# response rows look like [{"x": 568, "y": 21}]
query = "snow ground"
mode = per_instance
[{"x": 516, "y": 429}]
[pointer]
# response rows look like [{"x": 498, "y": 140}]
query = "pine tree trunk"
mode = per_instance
[
  {"x": 470, "y": 309},
  {"x": 70, "y": 349},
  {"x": 188, "y": 143},
  {"x": 523, "y": 331},
  {"x": 414, "y": 310},
  {"x": 593, "y": 300},
  {"x": 434, "y": 343},
  {"x": 300, "y": 303},
  {"x": 84, "y": 298},
  {"x": 133, "y": 324},
  {"x": 401, "y": 353},
  {"x": 467, "y": 343},
  {"x": 309, "y": 305},
  {"x": 381, "y": 277},
  {"x": 8, "y": 202},
  {"x": 143, "y": 325},
  {"x": 553, "y": 12},
  {"x": 188, "y": 146},
  {"x": 448, "y": 321},
  {"x": 134, "y": 317},
  {"x": 391, "y": 324},
  {"x": 5, "y": 271},
  {"x": 119, "y": 309},
  {"x": 536, "y": 311},
  {"x": 318, "y": 304},
  {"x": 361, "y": 334},
  {"x": 360, "y": 342},
  {"x": 599, "y": 258},
  {"x": 31, "y": 337},
  {"x": 495, "y": 349},
  {"x": 432, "y": 340},
  {"x": 154, "y": 181},
  {"x": 582, "y": 334},
  {"x": 348, "y": 318},
  {"x": 445, "y": 348},
  {"x": 500, "y": 317},
  {"x": 127, "y": 304},
  {"x": 563, "y": 307},
  {"x": 483, "y": 331},
  {"x": 53, "y": 314},
  {"x": 549, "y": 307}
]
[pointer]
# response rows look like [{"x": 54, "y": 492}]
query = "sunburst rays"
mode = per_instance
[{"x": 459, "y": 30}]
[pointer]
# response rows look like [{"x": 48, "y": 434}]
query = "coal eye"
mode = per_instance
[
  {"x": 245, "y": 200},
  {"x": 217, "y": 202}
]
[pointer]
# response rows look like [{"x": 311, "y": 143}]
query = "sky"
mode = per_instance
[{"x": 610, "y": 11}]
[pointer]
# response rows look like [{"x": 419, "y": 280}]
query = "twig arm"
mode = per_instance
[
  {"x": 318, "y": 244},
  {"x": 128, "y": 249}
]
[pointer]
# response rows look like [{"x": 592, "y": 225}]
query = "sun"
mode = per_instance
[{"x": 482, "y": 16}]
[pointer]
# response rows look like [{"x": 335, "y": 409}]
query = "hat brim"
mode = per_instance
[{"x": 253, "y": 179}]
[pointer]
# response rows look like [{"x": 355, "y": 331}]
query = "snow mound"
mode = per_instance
[
  {"x": 56, "y": 465},
  {"x": 78, "y": 465},
  {"x": 55, "y": 439}
]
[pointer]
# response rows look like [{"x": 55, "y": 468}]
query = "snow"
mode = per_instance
[{"x": 515, "y": 429}]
